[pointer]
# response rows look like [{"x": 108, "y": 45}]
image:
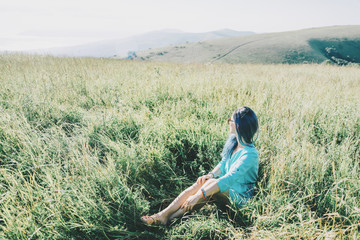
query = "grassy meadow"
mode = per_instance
[{"x": 88, "y": 146}]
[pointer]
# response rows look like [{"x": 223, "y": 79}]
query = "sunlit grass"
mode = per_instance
[{"x": 89, "y": 145}]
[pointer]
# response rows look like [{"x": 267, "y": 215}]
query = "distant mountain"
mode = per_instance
[
  {"x": 121, "y": 47},
  {"x": 337, "y": 44}
]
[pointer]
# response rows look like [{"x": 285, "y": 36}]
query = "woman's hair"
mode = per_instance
[{"x": 246, "y": 125}]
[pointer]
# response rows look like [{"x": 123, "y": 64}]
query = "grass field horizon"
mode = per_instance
[{"x": 88, "y": 146}]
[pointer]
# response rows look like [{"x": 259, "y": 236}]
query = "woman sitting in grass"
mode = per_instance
[{"x": 232, "y": 180}]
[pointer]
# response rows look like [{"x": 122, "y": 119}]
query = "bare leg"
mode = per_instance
[
  {"x": 164, "y": 215},
  {"x": 180, "y": 212},
  {"x": 221, "y": 198},
  {"x": 174, "y": 210},
  {"x": 176, "y": 204}
]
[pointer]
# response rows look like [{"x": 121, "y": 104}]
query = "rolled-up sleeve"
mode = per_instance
[{"x": 237, "y": 172}]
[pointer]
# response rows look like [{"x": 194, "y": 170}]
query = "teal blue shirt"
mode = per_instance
[{"x": 239, "y": 174}]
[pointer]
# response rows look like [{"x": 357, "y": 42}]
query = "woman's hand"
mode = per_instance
[
  {"x": 201, "y": 180},
  {"x": 191, "y": 201}
]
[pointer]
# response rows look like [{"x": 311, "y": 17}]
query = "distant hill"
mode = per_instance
[
  {"x": 121, "y": 47},
  {"x": 337, "y": 44}
]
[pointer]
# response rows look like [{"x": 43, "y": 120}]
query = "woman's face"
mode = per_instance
[{"x": 231, "y": 124}]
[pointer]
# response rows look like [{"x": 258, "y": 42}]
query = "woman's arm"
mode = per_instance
[
  {"x": 216, "y": 172},
  {"x": 213, "y": 174}
]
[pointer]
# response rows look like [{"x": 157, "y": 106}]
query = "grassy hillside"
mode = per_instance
[
  {"x": 339, "y": 45},
  {"x": 89, "y": 145}
]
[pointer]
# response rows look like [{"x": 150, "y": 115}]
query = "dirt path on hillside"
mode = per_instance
[{"x": 233, "y": 49}]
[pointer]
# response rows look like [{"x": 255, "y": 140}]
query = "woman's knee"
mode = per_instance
[
  {"x": 193, "y": 188},
  {"x": 196, "y": 186},
  {"x": 209, "y": 181}
]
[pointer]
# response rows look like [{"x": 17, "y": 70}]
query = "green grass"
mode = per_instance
[{"x": 87, "y": 146}]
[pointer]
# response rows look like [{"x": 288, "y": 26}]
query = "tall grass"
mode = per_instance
[{"x": 87, "y": 146}]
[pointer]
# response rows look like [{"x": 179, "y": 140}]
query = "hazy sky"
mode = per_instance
[{"x": 27, "y": 24}]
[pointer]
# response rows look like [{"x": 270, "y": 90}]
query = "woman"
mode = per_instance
[{"x": 237, "y": 172}]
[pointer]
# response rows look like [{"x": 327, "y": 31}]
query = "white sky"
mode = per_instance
[{"x": 27, "y": 24}]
